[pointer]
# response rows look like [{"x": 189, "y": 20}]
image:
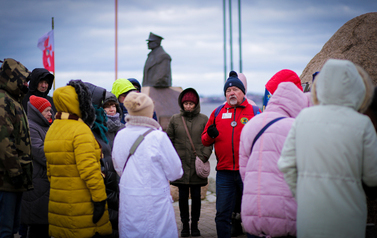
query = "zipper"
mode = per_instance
[{"x": 234, "y": 159}]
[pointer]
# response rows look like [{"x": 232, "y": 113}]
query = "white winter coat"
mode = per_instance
[
  {"x": 329, "y": 151},
  {"x": 145, "y": 204}
]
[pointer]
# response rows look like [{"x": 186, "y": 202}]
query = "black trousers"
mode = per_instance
[
  {"x": 38, "y": 231},
  {"x": 237, "y": 206},
  {"x": 196, "y": 202}
]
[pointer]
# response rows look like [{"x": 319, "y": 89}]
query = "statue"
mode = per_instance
[{"x": 157, "y": 72}]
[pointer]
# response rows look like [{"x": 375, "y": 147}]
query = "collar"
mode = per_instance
[{"x": 142, "y": 121}]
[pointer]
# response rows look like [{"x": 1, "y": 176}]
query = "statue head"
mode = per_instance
[{"x": 154, "y": 41}]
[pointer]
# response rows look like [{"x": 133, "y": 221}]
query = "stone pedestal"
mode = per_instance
[{"x": 165, "y": 102}]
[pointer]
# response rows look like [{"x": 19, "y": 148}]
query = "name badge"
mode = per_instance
[{"x": 227, "y": 115}]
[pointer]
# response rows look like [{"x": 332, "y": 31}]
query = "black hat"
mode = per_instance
[
  {"x": 153, "y": 37},
  {"x": 233, "y": 80}
]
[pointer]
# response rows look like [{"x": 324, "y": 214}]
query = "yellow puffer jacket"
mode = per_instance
[{"x": 73, "y": 168}]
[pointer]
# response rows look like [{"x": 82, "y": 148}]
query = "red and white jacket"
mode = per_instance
[{"x": 227, "y": 143}]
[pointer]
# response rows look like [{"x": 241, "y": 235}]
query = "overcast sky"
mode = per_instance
[{"x": 276, "y": 34}]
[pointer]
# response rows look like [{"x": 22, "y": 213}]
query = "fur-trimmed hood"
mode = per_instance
[{"x": 75, "y": 99}]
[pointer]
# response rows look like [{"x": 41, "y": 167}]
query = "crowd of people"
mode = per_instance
[{"x": 88, "y": 162}]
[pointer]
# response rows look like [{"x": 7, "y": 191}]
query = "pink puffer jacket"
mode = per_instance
[{"x": 268, "y": 207}]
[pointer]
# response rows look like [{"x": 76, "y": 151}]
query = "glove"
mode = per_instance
[
  {"x": 17, "y": 181},
  {"x": 99, "y": 209},
  {"x": 212, "y": 131}
]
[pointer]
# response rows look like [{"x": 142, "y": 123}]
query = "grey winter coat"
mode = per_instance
[
  {"x": 195, "y": 122},
  {"x": 329, "y": 151},
  {"x": 34, "y": 206}
]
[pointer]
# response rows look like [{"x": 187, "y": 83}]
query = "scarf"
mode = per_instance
[
  {"x": 99, "y": 124},
  {"x": 142, "y": 121},
  {"x": 113, "y": 123},
  {"x": 66, "y": 116}
]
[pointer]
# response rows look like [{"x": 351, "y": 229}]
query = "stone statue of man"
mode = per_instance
[{"x": 157, "y": 72}]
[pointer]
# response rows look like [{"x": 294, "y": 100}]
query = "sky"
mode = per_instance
[{"x": 276, "y": 35}]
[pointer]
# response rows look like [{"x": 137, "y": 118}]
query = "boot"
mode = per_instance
[
  {"x": 185, "y": 229},
  {"x": 236, "y": 225},
  {"x": 194, "y": 229}
]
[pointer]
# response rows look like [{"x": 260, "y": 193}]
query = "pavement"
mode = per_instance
[{"x": 206, "y": 225}]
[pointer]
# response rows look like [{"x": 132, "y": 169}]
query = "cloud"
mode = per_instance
[{"x": 275, "y": 35}]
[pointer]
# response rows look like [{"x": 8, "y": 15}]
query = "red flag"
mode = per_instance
[{"x": 46, "y": 44}]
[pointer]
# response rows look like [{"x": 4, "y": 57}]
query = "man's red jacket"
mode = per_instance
[{"x": 227, "y": 143}]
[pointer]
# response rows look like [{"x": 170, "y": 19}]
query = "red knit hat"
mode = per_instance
[
  {"x": 39, "y": 103},
  {"x": 284, "y": 75},
  {"x": 190, "y": 96}
]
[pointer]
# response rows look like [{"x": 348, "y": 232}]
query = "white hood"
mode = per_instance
[{"x": 339, "y": 83}]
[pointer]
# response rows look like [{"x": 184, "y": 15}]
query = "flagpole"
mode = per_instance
[
  {"x": 239, "y": 33},
  {"x": 224, "y": 26},
  {"x": 230, "y": 35},
  {"x": 52, "y": 23},
  {"x": 116, "y": 39}
]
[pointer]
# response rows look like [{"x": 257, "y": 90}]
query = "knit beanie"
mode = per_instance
[
  {"x": 233, "y": 80},
  {"x": 190, "y": 96},
  {"x": 284, "y": 75},
  {"x": 139, "y": 104},
  {"x": 121, "y": 86},
  {"x": 39, "y": 103}
]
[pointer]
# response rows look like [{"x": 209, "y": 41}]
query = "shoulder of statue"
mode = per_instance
[{"x": 160, "y": 54}]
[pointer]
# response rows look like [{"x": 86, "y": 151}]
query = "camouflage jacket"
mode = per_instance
[{"x": 15, "y": 150}]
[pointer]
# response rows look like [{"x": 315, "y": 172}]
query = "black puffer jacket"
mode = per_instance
[
  {"x": 111, "y": 177},
  {"x": 37, "y": 75}
]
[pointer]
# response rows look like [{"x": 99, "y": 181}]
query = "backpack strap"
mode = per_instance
[
  {"x": 263, "y": 130},
  {"x": 255, "y": 110},
  {"x": 217, "y": 111},
  {"x": 135, "y": 145}
]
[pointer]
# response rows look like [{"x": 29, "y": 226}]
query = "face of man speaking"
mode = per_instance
[{"x": 234, "y": 96}]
